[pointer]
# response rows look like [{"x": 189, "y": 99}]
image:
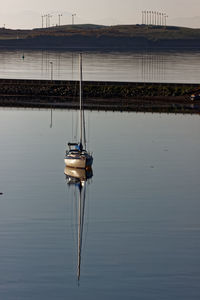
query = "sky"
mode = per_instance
[{"x": 27, "y": 13}]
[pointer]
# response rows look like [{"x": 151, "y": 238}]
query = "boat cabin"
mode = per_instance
[{"x": 75, "y": 147}]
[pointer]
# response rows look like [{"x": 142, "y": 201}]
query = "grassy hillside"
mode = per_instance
[
  {"x": 96, "y": 36},
  {"x": 149, "y": 32}
]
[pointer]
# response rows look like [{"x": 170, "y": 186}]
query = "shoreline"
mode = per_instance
[{"x": 135, "y": 105}]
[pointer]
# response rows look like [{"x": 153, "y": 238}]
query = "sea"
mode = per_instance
[
  {"x": 142, "y": 66},
  {"x": 128, "y": 229}
]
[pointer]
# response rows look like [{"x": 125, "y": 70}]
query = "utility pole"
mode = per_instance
[
  {"x": 156, "y": 18},
  {"x": 73, "y": 15},
  {"x": 42, "y": 21},
  {"x": 49, "y": 20},
  {"x": 59, "y": 16},
  {"x": 162, "y": 19},
  {"x": 51, "y": 63},
  {"x": 144, "y": 17},
  {"x": 46, "y": 16},
  {"x": 165, "y": 18}
]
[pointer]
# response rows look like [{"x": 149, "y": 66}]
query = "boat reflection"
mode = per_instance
[
  {"x": 74, "y": 175},
  {"x": 79, "y": 178}
]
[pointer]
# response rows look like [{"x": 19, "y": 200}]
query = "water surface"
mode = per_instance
[
  {"x": 142, "y": 228},
  {"x": 139, "y": 66}
]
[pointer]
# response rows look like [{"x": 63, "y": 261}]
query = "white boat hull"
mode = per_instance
[{"x": 79, "y": 161}]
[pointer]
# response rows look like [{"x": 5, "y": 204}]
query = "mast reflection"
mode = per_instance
[{"x": 79, "y": 178}]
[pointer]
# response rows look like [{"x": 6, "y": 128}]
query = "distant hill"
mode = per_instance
[{"x": 92, "y": 36}]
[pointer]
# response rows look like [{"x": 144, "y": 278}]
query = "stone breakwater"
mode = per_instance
[{"x": 133, "y": 96}]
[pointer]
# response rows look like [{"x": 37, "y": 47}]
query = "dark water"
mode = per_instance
[
  {"x": 183, "y": 67},
  {"x": 142, "y": 228}
]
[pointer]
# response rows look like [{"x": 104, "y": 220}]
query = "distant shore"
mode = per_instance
[
  {"x": 103, "y": 43},
  {"x": 98, "y": 95},
  {"x": 102, "y": 38}
]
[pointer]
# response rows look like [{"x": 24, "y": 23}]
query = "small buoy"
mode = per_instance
[
  {"x": 1, "y": 193},
  {"x": 23, "y": 56}
]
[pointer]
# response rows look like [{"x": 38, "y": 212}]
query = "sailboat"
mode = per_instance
[
  {"x": 78, "y": 178},
  {"x": 77, "y": 156}
]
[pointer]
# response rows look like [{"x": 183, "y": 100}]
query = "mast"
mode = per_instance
[
  {"x": 80, "y": 92},
  {"x": 82, "y": 116}
]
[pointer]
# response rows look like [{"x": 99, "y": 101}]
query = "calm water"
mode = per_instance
[
  {"x": 142, "y": 228},
  {"x": 183, "y": 67}
]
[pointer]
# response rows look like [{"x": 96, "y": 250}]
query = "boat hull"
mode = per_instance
[{"x": 80, "y": 162}]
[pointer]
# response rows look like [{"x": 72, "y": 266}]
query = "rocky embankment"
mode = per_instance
[{"x": 121, "y": 96}]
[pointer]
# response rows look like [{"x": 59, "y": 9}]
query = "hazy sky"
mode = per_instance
[{"x": 95, "y": 11}]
